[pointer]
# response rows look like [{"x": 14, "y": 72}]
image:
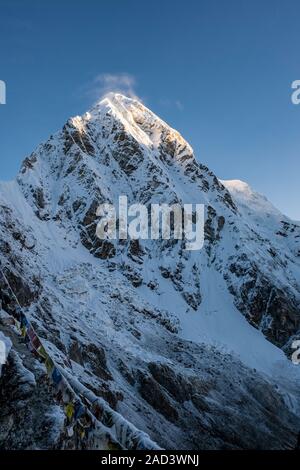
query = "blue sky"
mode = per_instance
[{"x": 219, "y": 72}]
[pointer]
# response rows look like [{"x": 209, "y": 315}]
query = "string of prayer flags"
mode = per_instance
[
  {"x": 80, "y": 422},
  {"x": 56, "y": 376}
]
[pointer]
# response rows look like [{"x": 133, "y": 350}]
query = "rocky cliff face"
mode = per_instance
[{"x": 181, "y": 343}]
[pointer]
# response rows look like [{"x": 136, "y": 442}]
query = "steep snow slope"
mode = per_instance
[{"x": 177, "y": 341}]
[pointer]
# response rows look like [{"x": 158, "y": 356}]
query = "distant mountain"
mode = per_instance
[{"x": 191, "y": 347}]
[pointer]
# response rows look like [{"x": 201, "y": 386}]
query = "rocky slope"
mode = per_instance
[{"x": 192, "y": 347}]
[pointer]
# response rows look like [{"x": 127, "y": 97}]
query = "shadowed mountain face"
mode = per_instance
[{"x": 189, "y": 346}]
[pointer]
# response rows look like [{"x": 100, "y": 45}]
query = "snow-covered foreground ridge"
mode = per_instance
[{"x": 192, "y": 348}]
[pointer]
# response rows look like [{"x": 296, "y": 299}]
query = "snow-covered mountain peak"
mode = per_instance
[
  {"x": 120, "y": 142},
  {"x": 251, "y": 201},
  {"x": 237, "y": 186},
  {"x": 244, "y": 191},
  {"x": 145, "y": 126},
  {"x": 134, "y": 136}
]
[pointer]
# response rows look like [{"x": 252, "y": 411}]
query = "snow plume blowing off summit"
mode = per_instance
[{"x": 179, "y": 348}]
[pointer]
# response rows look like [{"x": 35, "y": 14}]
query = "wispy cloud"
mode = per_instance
[
  {"x": 168, "y": 103},
  {"x": 105, "y": 83},
  {"x": 179, "y": 105}
]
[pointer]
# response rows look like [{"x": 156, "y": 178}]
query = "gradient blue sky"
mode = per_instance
[{"x": 218, "y": 71}]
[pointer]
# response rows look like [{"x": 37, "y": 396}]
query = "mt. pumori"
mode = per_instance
[{"x": 192, "y": 348}]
